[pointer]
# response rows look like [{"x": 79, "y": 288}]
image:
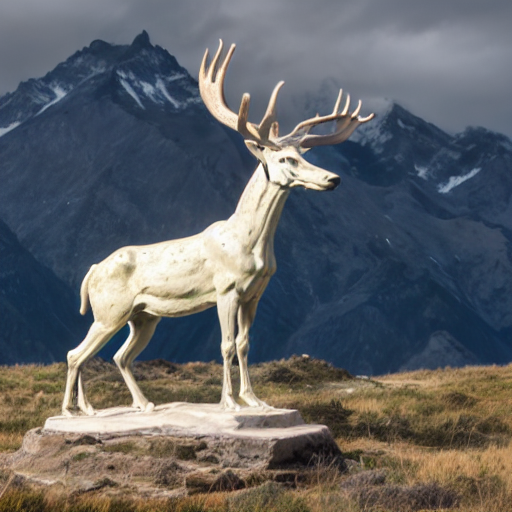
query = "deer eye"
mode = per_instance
[
  {"x": 281, "y": 160},
  {"x": 292, "y": 162}
]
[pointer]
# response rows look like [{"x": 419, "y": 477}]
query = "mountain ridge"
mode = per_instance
[{"x": 131, "y": 156}]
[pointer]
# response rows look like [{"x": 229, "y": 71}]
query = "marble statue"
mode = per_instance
[{"x": 229, "y": 264}]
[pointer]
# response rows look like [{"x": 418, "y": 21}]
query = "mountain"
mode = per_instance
[
  {"x": 106, "y": 160},
  {"x": 407, "y": 264},
  {"x": 426, "y": 245},
  {"x": 40, "y": 322}
]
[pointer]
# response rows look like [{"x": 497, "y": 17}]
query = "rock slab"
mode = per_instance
[
  {"x": 178, "y": 448},
  {"x": 253, "y": 436}
]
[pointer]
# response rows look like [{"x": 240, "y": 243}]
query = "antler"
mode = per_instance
[
  {"x": 211, "y": 87},
  {"x": 346, "y": 123}
]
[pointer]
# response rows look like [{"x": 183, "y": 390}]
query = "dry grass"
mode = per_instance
[
  {"x": 419, "y": 439},
  {"x": 38, "y": 501}
]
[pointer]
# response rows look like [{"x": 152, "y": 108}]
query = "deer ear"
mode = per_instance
[{"x": 257, "y": 150}]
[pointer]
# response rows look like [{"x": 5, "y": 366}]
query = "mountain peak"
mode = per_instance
[
  {"x": 98, "y": 46},
  {"x": 142, "y": 41}
]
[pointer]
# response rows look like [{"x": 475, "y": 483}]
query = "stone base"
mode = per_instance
[
  {"x": 177, "y": 418},
  {"x": 178, "y": 448}
]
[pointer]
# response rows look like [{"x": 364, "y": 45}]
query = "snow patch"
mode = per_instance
[
  {"x": 131, "y": 92},
  {"x": 422, "y": 171},
  {"x": 404, "y": 126},
  {"x": 125, "y": 75},
  {"x": 59, "y": 94},
  {"x": 161, "y": 87},
  {"x": 39, "y": 96},
  {"x": 158, "y": 92},
  {"x": 177, "y": 76},
  {"x": 94, "y": 71},
  {"x": 455, "y": 181},
  {"x": 3, "y": 131},
  {"x": 372, "y": 133},
  {"x": 150, "y": 91}
]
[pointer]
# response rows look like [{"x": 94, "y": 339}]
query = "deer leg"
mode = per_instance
[
  {"x": 142, "y": 328},
  {"x": 96, "y": 338},
  {"x": 227, "y": 307},
  {"x": 81, "y": 399},
  {"x": 246, "y": 314}
]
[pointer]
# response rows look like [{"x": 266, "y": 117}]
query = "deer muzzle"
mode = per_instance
[{"x": 334, "y": 181}]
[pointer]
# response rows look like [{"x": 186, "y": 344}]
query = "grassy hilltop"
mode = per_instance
[{"x": 425, "y": 440}]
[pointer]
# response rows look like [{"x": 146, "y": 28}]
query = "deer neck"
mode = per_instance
[{"x": 259, "y": 210}]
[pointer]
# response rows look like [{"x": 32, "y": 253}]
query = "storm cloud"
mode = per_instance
[{"x": 449, "y": 62}]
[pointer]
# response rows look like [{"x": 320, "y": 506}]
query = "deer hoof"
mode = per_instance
[
  {"x": 228, "y": 403},
  {"x": 89, "y": 410},
  {"x": 252, "y": 401},
  {"x": 144, "y": 406}
]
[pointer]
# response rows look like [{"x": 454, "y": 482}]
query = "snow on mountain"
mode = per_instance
[
  {"x": 7, "y": 129},
  {"x": 375, "y": 134},
  {"x": 34, "y": 96},
  {"x": 128, "y": 88},
  {"x": 156, "y": 90},
  {"x": 59, "y": 94},
  {"x": 455, "y": 181},
  {"x": 422, "y": 171},
  {"x": 407, "y": 264},
  {"x": 133, "y": 66}
]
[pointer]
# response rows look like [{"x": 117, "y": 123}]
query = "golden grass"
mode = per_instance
[{"x": 451, "y": 427}]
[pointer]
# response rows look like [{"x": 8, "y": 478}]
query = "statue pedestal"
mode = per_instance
[
  {"x": 177, "y": 418},
  {"x": 177, "y": 448},
  {"x": 266, "y": 437}
]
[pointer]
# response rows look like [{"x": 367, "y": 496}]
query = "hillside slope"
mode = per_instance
[
  {"x": 424, "y": 440},
  {"x": 40, "y": 321}
]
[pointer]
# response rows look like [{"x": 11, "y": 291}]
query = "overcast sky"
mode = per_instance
[{"x": 448, "y": 61}]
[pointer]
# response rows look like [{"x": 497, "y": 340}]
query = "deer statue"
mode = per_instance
[{"x": 229, "y": 264}]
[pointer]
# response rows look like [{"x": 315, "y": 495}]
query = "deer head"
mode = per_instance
[{"x": 280, "y": 156}]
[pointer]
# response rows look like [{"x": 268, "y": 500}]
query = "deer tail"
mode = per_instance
[{"x": 84, "y": 292}]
